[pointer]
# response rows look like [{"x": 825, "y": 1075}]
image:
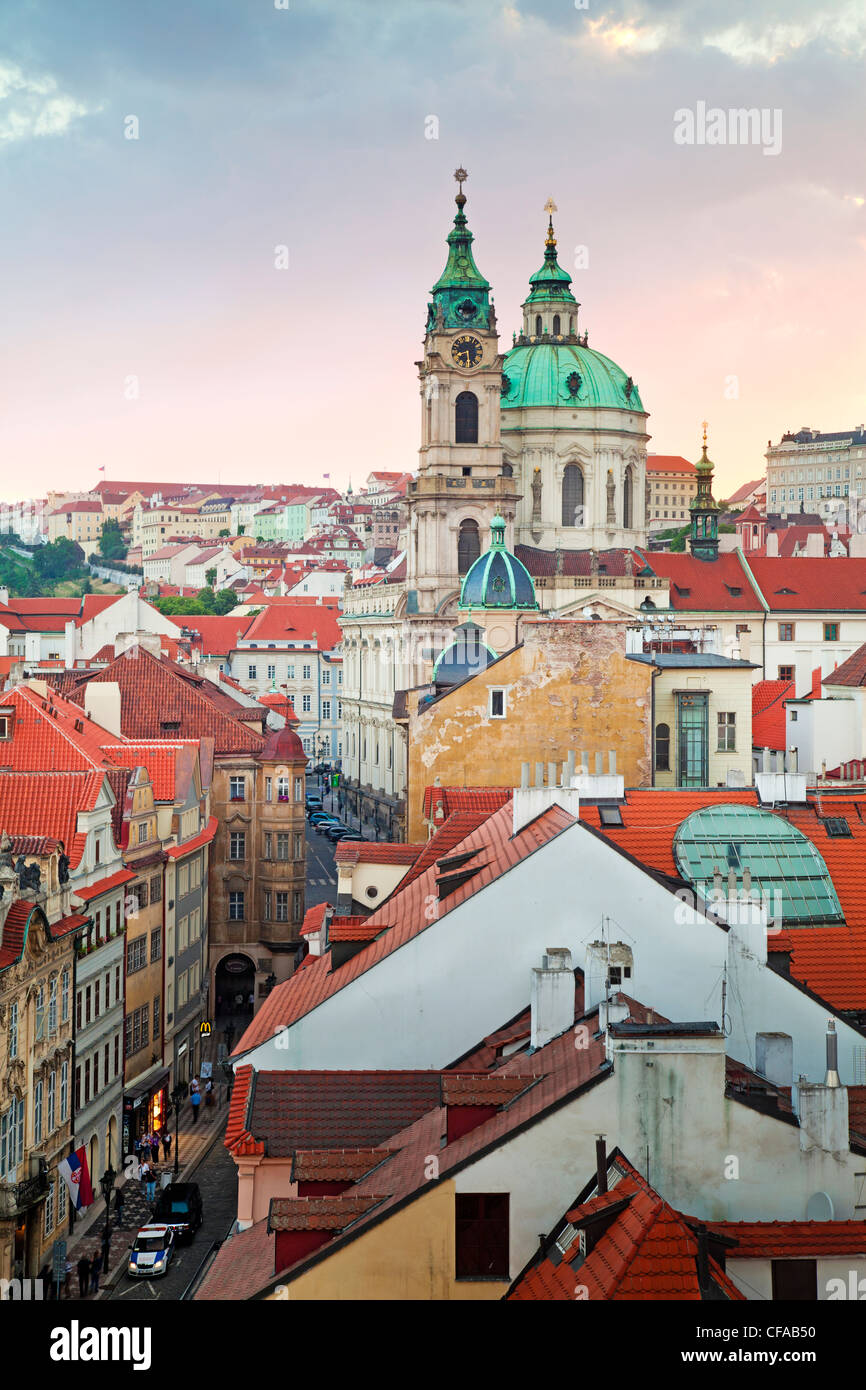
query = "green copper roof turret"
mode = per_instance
[
  {"x": 551, "y": 281},
  {"x": 497, "y": 579},
  {"x": 460, "y": 295},
  {"x": 461, "y": 272}
]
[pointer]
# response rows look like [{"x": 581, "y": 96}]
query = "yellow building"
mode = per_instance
[
  {"x": 671, "y": 484},
  {"x": 79, "y": 521},
  {"x": 703, "y": 719},
  {"x": 567, "y": 686},
  {"x": 37, "y": 972}
]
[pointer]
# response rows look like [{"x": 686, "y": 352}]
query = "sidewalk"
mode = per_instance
[{"x": 194, "y": 1141}]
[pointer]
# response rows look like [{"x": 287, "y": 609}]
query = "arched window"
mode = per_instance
[
  {"x": 556, "y": 327},
  {"x": 507, "y": 470},
  {"x": 468, "y": 545},
  {"x": 572, "y": 495},
  {"x": 627, "y": 509},
  {"x": 663, "y": 747},
  {"x": 571, "y": 325},
  {"x": 538, "y": 325},
  {"x": 466, "y": 419}
]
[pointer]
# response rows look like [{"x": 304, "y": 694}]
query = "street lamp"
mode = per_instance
[
  {"x": 229, "y": 1074},
  {"x": 177, "y": 1099}
]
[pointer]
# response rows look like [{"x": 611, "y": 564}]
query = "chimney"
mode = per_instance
[
  {"x": 774, "y": 1057},
  {"x": 703, "y": 1258},
  {"x": 815, "y": 543},
  {"x": 832, "y": 1076},
  {"x": 773, "y": 544},
  {"x": 601, "y": 1164},
  {"x": 551, "y": 996},
  {"x": 102, "y": 704}
]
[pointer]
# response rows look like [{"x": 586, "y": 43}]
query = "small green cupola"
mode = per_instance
[
  {"x": 704, "y": 511},
  {"x": 551, "y": 282},
  {"x": 461, "y": 294},
  {"x": 497, "y": 579}
]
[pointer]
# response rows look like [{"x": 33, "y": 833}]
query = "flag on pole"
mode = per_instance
[
  {"x": 101, "y": 468},
  {"x": 326, "y": 475},
  {"x": 74, "y": 1172}
]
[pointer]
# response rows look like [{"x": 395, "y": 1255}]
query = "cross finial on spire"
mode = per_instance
[
  {"x": 461, "y": 176},
  {"x": 550, "y": 207},
  {"x": 704, "y": 424}
]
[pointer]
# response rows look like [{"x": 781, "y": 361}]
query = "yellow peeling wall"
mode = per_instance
[
  {"x": 410, "y": 1255},
  {"x": 568, "y": 687}
]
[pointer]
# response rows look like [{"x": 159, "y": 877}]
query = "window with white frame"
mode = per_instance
[
  {"x": 308, "y": 672},
  {"x": 64, "y": 995},
  {"x": 326, "y": 710},
  {"x": 64, "y": 1092},
  {"x": 237, "y": 845},
  {"x": 236, "y": 907},
  {"x": 52, "y": 1005},
  {"x": 37, "y": 1113},
  {"x": 306, "y": 704},
  {"x": 13, "y": 1029},
  {"x": 272, "y": 672},
  {"x": 49, "y": 1208},
  {"x": 51, "y": 1117},
  {"x": 496, "y": 706},
  {"x": 40, "y": 1013}
]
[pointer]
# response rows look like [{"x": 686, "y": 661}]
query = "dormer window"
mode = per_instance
[{"x": 6, "y": 722}]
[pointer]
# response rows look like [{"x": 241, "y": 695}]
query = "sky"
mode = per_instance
[{"x": 221, "y": 221}]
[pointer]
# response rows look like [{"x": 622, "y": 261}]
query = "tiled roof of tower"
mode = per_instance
[
  {"x": 830, "y": 961},
  {"x": 792, "y": 1240},
  {"x": 404, "y": 914},
  {"x": 155, "y": 693},
  {"x": 48, "y": 803},
  {"x": 851, "y": 672},
  {"x": 15, "y": 928},
  {"x": 646, "y": 1251},
  {"x": 33, "y": 844},
  {"x": 768, "y": 713}
]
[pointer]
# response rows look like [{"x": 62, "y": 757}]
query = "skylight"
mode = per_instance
[{"x": 784, "y": 864}]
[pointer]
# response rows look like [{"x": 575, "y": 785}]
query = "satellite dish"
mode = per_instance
[{"x": 819, "y": 1207}]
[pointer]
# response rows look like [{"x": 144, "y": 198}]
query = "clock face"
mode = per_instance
[{"x": 466, "y": 351}]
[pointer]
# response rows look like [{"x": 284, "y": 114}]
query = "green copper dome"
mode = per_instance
[
  {"x": 460, "y": 295},
  {"x": 497, "y": 579},
  {"x": 566, "y": 374}
]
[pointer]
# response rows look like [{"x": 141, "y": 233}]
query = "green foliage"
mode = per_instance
[
  {"x": 112, "y": 546},
  {"x": 210, "y": 578},
  {"x": 205, "y": 601},
  {"x": 224, "y": 532}
]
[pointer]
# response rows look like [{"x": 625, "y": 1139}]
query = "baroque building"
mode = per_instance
[{"x": 541, "y": 447}]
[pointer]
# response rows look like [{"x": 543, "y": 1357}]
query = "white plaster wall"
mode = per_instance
[{"x": 754, "y": 1278}]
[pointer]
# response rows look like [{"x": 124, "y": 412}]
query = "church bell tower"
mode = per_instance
[{"x": 461, "y": 483}]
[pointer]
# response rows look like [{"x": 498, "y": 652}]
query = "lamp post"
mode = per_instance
[
  {"x": 107, "y": 1182},
  {"x": 229, "y": 1074},
  {"x": 177, "y": 1097}
]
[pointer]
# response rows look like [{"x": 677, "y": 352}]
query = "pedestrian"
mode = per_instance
[
  {"x": 193, "y": 1086},
  {"x": 208, "y": 1092},
  {"x": 106, "y": 1247},
  {"x": 151, "y": 1185},
  {"x": 95, "y": 1271},
  {"x": 67, "y": 1278},
  {"x": 143, "y": 1172},
  {"x": 119, "y": 1200},
  {"x": 251, "y": 1001},
  {"x": 195, "y": 1098},
  {"x": 166, "y": 1145},
  {"x": 83, "y": 1276}
]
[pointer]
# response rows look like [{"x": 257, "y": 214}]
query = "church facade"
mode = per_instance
[{"x": 548, "y": 438}]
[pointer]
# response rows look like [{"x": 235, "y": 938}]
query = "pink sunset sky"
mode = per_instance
[{"x": 725, "y": 280}]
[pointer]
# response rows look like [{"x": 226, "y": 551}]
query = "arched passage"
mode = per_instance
[{"x": 234, "y": 982}]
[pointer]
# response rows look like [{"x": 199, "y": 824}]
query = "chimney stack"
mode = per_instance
[
  {"x": 601, "y": 1164},
  {"x": 551, "y": 996},
  {"x": 832, "y": 1076}
]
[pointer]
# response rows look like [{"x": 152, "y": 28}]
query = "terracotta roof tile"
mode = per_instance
[
  {"x": 789, "y": 1240},
  {"x": 812, "y": 584},
  {"x": 104, "y": 885},
  {"x": 48, "y": 803},
  {"x": 291, "y": 1110},
  {"x": 318, "y": 1213},
  {"x": 852, "y": 672},
  {"x": 336, "y": 1165},
  {"x": 768, "y": 713},
  {"x": 368, "y": 852},
  {"x": 243, "y": 1262}
]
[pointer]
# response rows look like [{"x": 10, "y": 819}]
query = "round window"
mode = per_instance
[{"x": 372, "y": 892}]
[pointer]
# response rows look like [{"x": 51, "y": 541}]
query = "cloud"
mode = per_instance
[{"x": 32, "y": 106}]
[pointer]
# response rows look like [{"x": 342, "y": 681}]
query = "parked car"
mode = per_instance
[
  {"x": 179, "y": 1206},
  {"x": 151, "y": 1252},
  {"x": 350, "y": 835},
  {"x": 336, "y": 830},
  {"x": 312, "y": 802},
  {"x": 318, "y": 818}
]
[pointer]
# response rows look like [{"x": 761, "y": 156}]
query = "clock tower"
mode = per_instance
[{"x": 461, "y": 482}]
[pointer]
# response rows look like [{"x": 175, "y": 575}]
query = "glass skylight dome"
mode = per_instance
[{"x": 784, "y": 864}]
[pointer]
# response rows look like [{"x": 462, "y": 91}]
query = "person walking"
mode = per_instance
[
  {"x": 195, "y": 1101},
  {"x": 119, "y": 1200},
  {"x": 143, "y": 1171},
  {"x": 151, "y": 1185},
  {"x": 83, "y": 1276},
  {"x": 208, "y": 1092},
  {"x": 166, "y": 1145},
  {"x": 95, "y": 1271}
]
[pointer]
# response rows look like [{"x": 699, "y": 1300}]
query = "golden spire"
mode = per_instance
[
  {"x": 704, "y": 424},
  {"x": 550, "y": 208}
]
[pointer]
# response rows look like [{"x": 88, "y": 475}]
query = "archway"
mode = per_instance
[
  {"x": 572, "y": 495},
  {"x": 468, "y": 545},
  {"x": 234, "y": 982}
]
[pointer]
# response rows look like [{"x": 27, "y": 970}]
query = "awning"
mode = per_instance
[{"x": 145, "y": 1086}]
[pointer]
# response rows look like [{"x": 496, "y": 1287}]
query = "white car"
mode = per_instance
[{"x": 151, "y": 1252}]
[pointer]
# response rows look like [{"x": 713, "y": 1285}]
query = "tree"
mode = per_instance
[
  {"x": 112, "y": 546},
  {"x": 225, "y": 531},
  {"x": 210, "y": 578},
  {"x": 242, "y": 530},
  {"x": 224, "y": 602}
]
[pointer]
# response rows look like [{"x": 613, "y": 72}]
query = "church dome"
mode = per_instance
[
  {"x": 497, "y": 579},
  {"x": 464, "y": 657},
  {"x": 565, "y": 374}
]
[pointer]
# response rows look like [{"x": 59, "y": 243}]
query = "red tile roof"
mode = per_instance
[
  {"x": 368, "y": 852},
  {"x": 451, "y": 799},
  {"x": 48, "y": 803},
  {"x": 832, "y": 960},
  {"x": 291, "y": 1110},
  {"x": 354, "y": 929},
  {"x": 297, "y": 623},
  {"x": 45, "y": 734},
  {"x": 722, "y": 586},
  {"x": 668, "y": 463},
  {"x": 646, "y": 1251},
  {"x": 204, "y": 837},
  {"x": 404, "y": 914},
  {"x": 243, "y": 1262},
  {"x": 455, "y": 829},
  {"x": 336, "y": 1165},
  {"x": 852, "y": 672},
  {"x": 317, "y": 1213},
  {"x": 791, "y": 1240},
  {"x": 768, "y": 713},
  {"x": 313, "y": 918},
  {"x": 14, "y": 932},
  {"x": 40, "y": 845},
  {"x": 814, "y": 585},
  {"x": 104, "y": 885}
]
